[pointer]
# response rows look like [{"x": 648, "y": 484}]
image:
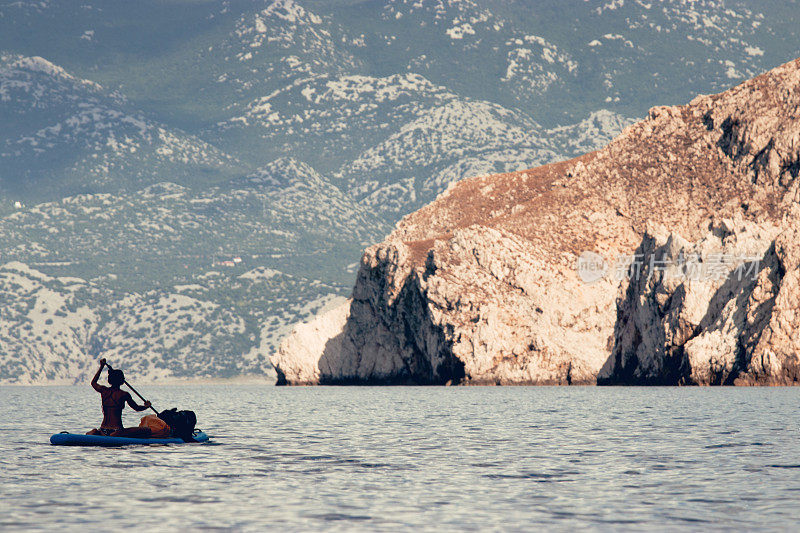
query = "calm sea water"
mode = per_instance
[{"x": 407, "y": 458}]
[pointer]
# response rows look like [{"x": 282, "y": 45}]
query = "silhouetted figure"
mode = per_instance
[{"x": 114, "y": 400}]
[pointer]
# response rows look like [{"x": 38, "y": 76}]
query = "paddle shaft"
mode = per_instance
[{"x": 134, "y": 391}]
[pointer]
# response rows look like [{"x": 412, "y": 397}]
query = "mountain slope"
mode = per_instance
[
  {"x": 53, "y": 329},
  {"x": 174, "y": 282},
  {"x": 285, "y": 216}
]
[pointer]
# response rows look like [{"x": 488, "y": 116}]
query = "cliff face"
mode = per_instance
[
  {"x": 480, "y": 286},
  {"x": 719, "y": 311},
  {"x": 479, "y": 309}
]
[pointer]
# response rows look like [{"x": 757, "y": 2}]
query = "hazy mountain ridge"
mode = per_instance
[{"x": 64, "y": 135}]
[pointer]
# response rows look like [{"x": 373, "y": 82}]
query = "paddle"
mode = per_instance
[{"x": 134, "y": 390}]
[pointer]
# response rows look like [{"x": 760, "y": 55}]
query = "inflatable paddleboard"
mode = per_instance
[{"x": 73, "y": 439}]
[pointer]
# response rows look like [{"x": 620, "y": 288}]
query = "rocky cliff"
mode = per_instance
[
  {"x": 719, "y": 311},
  {"x": 481, "y": 285}
]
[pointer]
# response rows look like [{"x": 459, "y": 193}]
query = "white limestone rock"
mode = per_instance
[
  {"x": 480, "y": 311},
  {"x": 737, "y": 327}
]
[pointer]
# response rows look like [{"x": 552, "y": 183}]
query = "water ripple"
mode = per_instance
[{"x": 412, "y": 458}]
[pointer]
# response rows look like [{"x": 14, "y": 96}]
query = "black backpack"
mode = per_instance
[{"x": 180, "y": 422}]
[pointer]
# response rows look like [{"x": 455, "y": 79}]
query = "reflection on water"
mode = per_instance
[{"x": 412, "y": 458}]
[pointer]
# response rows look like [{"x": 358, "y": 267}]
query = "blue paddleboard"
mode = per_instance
[{"x": 73, "y": 439}]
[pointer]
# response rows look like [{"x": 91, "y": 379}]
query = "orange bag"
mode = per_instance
[{"x": 158, "y": 428}]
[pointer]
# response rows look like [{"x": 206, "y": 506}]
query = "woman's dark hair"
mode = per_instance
[{"x": 116, "y": 377}]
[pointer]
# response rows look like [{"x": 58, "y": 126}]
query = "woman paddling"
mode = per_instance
[{"x": 114, "y": 400}]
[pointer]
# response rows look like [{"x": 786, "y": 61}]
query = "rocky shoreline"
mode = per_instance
[{"x": 481, "y": 287}]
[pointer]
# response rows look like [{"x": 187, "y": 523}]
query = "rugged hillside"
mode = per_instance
[
  {"x": 174, "y": 281},
  {"x": 481, "y": 285},
  {"x": 53, "y": 329},
  {"x": 401, "y": 140}
]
